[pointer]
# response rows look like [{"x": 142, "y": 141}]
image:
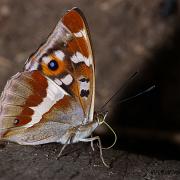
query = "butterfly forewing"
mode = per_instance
[
  {"x": 69, "y": 45},
  {"x": 81, "y": 58}
]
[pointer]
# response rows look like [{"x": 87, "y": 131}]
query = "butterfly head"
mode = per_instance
[{"x": 100, "y": 116}]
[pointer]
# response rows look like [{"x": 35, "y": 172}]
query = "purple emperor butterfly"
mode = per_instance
[{"x": 52, "y": 99}]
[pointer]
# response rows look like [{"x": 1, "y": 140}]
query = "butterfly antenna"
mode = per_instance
[
  {"x": 119, "y": 90},
  {"x": 127, "y": 99},
  {"x": 139, "y": 94}
]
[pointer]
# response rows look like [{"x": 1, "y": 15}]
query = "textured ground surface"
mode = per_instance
[
  {"x": 80, "y": 162},
  {"x": 127, "y": 36}
]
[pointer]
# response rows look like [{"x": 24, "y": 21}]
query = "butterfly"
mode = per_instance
[{"x": 52, "y": 99}]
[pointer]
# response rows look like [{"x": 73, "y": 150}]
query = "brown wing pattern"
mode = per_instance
[
  {"x": 82, "y": 57},
  {"x": 23, "y": 91},
  {"x": 57, "y": 84},
  {"x": 69, "y": 46}
]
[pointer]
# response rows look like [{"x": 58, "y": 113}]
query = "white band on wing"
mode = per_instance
[
  {"x": 78, "y": 57},
  {"x": 54, "y": 94}
]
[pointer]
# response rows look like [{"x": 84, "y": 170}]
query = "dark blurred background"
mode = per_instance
[{"x": 128, "y": 36}]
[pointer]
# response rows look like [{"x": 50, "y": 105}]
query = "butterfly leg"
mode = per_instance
[
  {"x": 92, "y": 143},
  {"x": 62, "y": 149},
  {"x": 91, "y": 139},
  {"x": 64, "y": 146}
]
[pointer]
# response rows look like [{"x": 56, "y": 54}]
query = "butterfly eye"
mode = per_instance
[{"x": 53, "y": 65}]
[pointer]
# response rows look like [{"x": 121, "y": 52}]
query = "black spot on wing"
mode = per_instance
[
  {"x": 16, "y": 121},
  {"x": 84, "y": 93},
  {"x": 39, "y": 67},
  {"x": 67, "y": 89},
  {"x": 84, "y": 80}
]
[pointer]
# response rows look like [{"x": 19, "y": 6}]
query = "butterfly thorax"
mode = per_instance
[{"x": 84, "y": 130}]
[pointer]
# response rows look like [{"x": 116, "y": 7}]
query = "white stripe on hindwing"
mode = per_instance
[{"x": 54, "y": 94}]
